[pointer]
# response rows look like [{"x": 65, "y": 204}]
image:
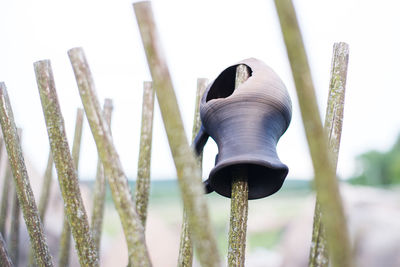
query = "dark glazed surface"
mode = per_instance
[{"x": 246, "y": 124}]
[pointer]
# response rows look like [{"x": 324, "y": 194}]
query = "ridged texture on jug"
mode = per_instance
[{"x": 246, "y": 123}]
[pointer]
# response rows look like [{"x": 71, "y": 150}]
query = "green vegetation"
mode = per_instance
[
  {"x": 379, "y": 168},
  {"x": 165, "y": 200},
  {"x": 265, "y": 239}
]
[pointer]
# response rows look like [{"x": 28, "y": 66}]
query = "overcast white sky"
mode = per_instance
[{"x": 200, "y": 38}]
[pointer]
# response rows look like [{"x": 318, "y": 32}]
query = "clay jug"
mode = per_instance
[{"x": 246, "y": 124}]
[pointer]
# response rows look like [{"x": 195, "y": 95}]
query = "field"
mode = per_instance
[{"x": 268, "y": 220}]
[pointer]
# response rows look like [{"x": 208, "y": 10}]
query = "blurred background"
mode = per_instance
[{"x": 200, "y": 39}]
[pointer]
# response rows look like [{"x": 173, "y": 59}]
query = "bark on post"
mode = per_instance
[
  {"x": 325, "y": 177},
  {"x": 131, "y": 224},
  {"x": 4, "y": 257},
  {"x": 44, "y": 198},
  {"x": 21, "y": 181},
  {"x": 239, "y": 200},
  {"x": 100, "y": 186},
  {"x": 146, "y": 134},
  {"x": 5, "y": 197},
  {"x": 185, "y": 258},
  {"x": 14, "y": 230},
  {"x": 66, "y": 172},
  {"x": 13, "y": 239},
  {"x": 333, "y": 126},
  {"x": 185, "y": 163},
  {"x": 65, "y": 240},
  {"x": 46, "y": 188}
]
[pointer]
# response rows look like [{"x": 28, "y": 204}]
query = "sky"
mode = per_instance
[{"x": 200, "y": 39}]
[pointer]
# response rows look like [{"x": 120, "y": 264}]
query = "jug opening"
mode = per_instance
[
  {"x": 224, "y": 85},
  {"x": 262, "y": 180}
]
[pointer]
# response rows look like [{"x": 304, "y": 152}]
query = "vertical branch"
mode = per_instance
[
  {"x": 4, "y": 257},
  {"x": 100, "y": 186},
  {"x": 46, "y": 188},
  {"x": 325, "y": 177},
  {"x": 188, "y": 171},
  {"x": 239, "y": 200},
  {"x": 21, "y": 181},
  {"x": 5, "y": 196},
  {"x": 44, "y": 198},
  {"x": 66, "y": 172},
  {"x": 333, "y": 126},
  {"x": 65, "y": 243},
  {"x": 14, "y": 230},
  {"x": 65, "y": 240},
  {"x": 131, "y": 224},
  {"x": 185, "y": 258},
  {"x": 146, "y": 135}
]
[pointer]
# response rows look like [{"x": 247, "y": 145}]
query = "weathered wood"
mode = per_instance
[
  {"x": 13, "y": 238},
  {"x": 65, "y": 243},
  {"x": 239, "y": 200},
  {"x": 65, "y": 240},
  {"x": 131, "y": 224},
  {"x": 100, "y": 186},
  {"x": 325, "y": 176},
  {"x": 186, "y": 166},
  {"x": 185, "y": 258},
  {"x": 46, "y": 188},
  {"x": 4, "y": 257},
  {"x": 14, "y": 230},
  {"x": 333, "y": 126},
  {"x": 44, "y": 198},
  {"x": 66, "y": 172},
  {"x": 5, "y": 197},
  {"x": 21, "y": 181},
  {"x": 146, "y": 135}
]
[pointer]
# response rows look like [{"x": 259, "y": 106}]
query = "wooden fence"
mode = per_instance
[{"x": 330, "y": 239}]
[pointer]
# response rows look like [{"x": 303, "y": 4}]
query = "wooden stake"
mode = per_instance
[
  {"x": 333, "y": 126},
  {"x": 21, "y": 181},
  {"x": 46, "y": 188},
  {"x": 65, "y": 240},
  {"x": 44, "y": 198},
  {"x": 185, "y": 258},
  {"x": 146, "y": 134},
  {"x": 100, "y": 186},
  {"x": 5, "y": 196},
  {"x": 14, "y": 231},
  {"x": 325, "y": 176},
  {"x": 4, "y": 257},
  {"x": 188, "y": 171},
  {"x": 239, "y": 200},
  {"x": 131, "y": 224},
  {"x": 66, "y": 172}
]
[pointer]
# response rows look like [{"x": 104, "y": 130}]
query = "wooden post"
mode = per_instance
[
  {"x": 21, "y": 181},
  {"x": 14, "y": 230},
  {"x": 46, "y": 188},
  {"x": 4, "y": 257},
  {"x": 333, "y": 126},
  {"x": 65, "y": 240},
  {"x": 66, "y": 172},
  {"x": 44, "y": 198},
  {"x": 185, "y": 258},
  {"x": 146, "y": 134},
  {"x": 239, "y": 200},
  {"x": 325, "y": 176},
  {"x": 5, "y": 196},
  {"x": 188, "y": 171},
  {"x": 100, "y": 186},
  {"x": 131, "y": 224}
]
